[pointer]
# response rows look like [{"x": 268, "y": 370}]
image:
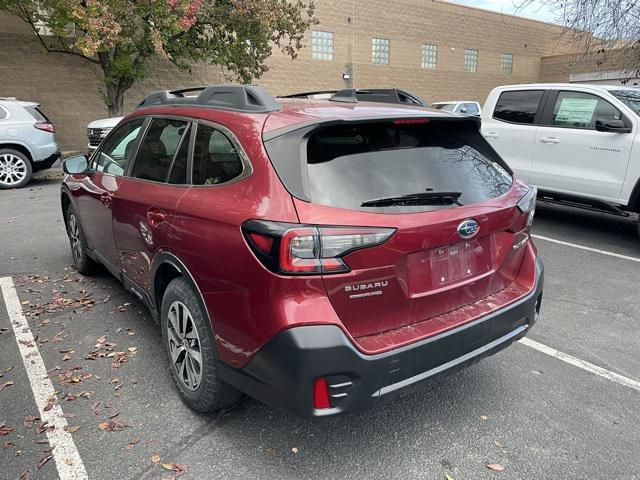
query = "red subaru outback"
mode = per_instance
[{"x": 318, "y": 255}]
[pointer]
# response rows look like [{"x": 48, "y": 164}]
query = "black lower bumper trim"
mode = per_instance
[
  {"x": 282, "y": 373},
  {"x": 47, "y": 162}
]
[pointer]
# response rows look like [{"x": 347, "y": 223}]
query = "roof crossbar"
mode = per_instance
[{"x": 242, "y": 98}]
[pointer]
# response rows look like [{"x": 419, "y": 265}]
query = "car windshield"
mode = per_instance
[
  {"x": 630, "y": 98},
  {"x": 449, "y": 107}
]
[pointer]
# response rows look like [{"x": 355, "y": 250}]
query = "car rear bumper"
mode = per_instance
[{"x": 282, "y": 373}]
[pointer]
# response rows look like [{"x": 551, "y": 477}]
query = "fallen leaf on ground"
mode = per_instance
[
  {"x": 29, "y": 421},
  {"x": 44, "y": 459},
  {"x": 175, "y": 467},
  {"x": 5, "y": 429},
  {"x": 498, "y": 444},
  {"x": 496, "y": 467},
  {"x": 6, "y": 384},
  {"x": 155, "y": 458},
  {"x": 294, "y": 449},
  {"x": 133, "y": 443},
  {"x": 25, "y": 475},
  {"x": 132, "y": 349},
  {"x": 448, "y": 477},
  {"x": 8, "y": 444},
  {"x": 113, "y": 425},
  {"x": 483, "y": 417},
  {"x": 71, "y": 428}
]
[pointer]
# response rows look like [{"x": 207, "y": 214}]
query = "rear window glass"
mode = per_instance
[
  {"x": 357, "y": 166},
  {"x": 518, "y": 107}
]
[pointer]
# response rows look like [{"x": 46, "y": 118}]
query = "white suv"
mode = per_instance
[{"x": 577, "y": 143}]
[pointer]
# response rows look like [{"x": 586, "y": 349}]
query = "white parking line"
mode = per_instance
[
  {"x": 576, "y": 362},
  {"x": 588, "y": 249},
  {"x": 65, "y": 453}
]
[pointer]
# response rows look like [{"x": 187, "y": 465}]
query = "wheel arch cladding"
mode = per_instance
[
  {"x": 19, "y": 148},
  {"x": 165, "y": 272}
]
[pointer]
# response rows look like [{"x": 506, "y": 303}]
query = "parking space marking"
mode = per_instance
[
  {"x": 576, "y": 362},
  {"x": 588, "y": 249},
  {"x": 65, "y": 453}
]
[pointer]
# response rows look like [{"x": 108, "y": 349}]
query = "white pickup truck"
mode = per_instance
[{"x": 577, "y": 143}]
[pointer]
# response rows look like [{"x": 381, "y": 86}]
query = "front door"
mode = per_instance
[
  {"x": 98, "y": 188},
  {"x": 572, "y": 157},
  {"x": 145, "y": 203}
]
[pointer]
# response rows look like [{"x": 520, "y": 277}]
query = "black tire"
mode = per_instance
[
  {"x": 14, "y": 165},
  {"x": 210, "y": 393},
  {"x": 81, "y": 260}
]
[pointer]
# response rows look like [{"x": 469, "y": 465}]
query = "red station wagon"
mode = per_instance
[{"x": 318, "y": 255}]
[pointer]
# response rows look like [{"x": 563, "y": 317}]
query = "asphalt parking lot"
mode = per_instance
[{"x": 535, "y": 415}]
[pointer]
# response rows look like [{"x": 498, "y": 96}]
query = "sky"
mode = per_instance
[{"x": 533, "y": 9}]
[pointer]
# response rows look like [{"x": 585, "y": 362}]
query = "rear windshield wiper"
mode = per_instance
[{"x": 422, "y": 198}]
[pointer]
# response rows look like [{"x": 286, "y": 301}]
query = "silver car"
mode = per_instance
[{"x": 27, "y": 142}]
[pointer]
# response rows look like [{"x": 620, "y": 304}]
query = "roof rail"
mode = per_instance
[
  {"x": 352, "y": 95},
  {"x": 348, "y": 95},
  {"x": 242, "y": 98}
]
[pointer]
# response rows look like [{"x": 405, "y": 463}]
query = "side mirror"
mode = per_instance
[
  {"x": 464, "y": 110},
  {"x": 611, "y": 125},
  {"x": 76, "y": 165}
]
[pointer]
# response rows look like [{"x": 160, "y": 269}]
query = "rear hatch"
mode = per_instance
[{"x": 448, "y": 197}]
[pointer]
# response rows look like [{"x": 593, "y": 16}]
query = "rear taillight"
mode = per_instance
[
  {"x": 309, "y": 249},
  {"x": 45, "y": 126},
  {"x": 527, "y": 204}
]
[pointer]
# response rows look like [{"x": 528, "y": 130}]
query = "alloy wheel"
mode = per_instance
[
  {"x": 13, "y": 169},
  {"x": 74, "y": 236},
  {"x": 184, "y": 345}
]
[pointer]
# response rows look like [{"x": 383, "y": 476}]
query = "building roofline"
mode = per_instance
[{"x": 501, "y": 14}]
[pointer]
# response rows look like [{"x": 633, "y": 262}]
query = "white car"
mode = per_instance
[
  {"x": 577, "y": 143},
  {"x": 98, "y": 129},
  {"x": 459, "y": 106}
]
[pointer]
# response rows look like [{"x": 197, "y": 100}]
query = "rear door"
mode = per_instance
[
  {"x": 145, "y": 203},
  {"x": 511, "y": 127},
  {"x": 97, "y": 189},
  {"x": 571, "y": 156},
  {"x": 431, "y": 265}
]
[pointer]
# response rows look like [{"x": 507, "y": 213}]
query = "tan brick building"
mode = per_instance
[{"x": 438, "y": 50}]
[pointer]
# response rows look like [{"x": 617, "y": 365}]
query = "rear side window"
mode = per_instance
[
  {"x": 518, "y": 107},
  {"x": 3, "y": 113},
  {"x": 215, "y": 158},
  {"x": 158, "y": 149},
  {"x": 37, "y": 114},
  {"x": 580, "y": 110},
  {"x": 348, "y": 166}
]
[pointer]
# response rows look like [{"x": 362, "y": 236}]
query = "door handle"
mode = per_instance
[
  {"x": 550, "y": 140},
  {"x": 155, "y": 216},
  {"x": 105, "y": 198},
  {"x": 491, "y": 135}
]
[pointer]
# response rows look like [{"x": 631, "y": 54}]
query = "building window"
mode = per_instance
[
  {"x": 322, "y": 45},
  {"x": 429, "y": 55},
  {"x": 506, "y": 63},
  {"x": 380, "y": 51},
  {"x": 470, "y": 60}
]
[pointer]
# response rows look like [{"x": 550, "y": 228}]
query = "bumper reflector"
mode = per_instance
[{"x": 321, "y": 394}]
